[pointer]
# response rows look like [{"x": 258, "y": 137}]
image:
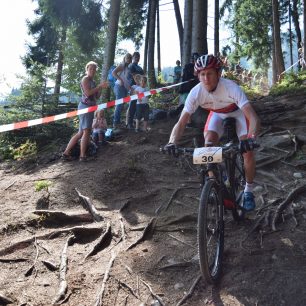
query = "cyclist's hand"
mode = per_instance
[
  {"x": 248, "y": 145},
  {"x": 171, "y": 149}
]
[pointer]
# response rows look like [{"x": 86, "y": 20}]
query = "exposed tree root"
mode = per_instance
[
  {"x": 190, "y": 292},
  {"x": 102, "y": 242},
  {"x": 282, "y": 206},
  {"x": 122, "y": 228},
  {"x": 124, "y": 285},
  {"x": 188, "y": 244},
  {"x": 148, "y": 231},
  {"x": 125, "y": 205},
  {"x": 62, "y": 273},
  {"x": 4, "y": 300},
  {"x": 158, "y": 210},
  {"x": 78, "y": 231},
  {"x": 183, "y": 264},
  {"x": 60, "y": 217},
  {"x": 50, "y": 265},
  {"x": 88, "y": 205},
  {"x": 99, "y": 300},
  {"x": 30, "y": 270},
  {"x": 152, "y": 293},
  {"x": 13, "y": 260}
]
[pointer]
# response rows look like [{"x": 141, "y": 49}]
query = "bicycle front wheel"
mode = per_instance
[{"x": 211, "y": 232}]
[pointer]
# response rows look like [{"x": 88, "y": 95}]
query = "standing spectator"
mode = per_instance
[
  {"x": 122, "y": 85},
  {"x": 142, "y": 107},
  {"x": 90, "y": 95},
  {"x": 111, "y": 80},
  {"x": 177, "y": 72},
  {"x": 135, "y": 69},
  {"x": 188, "y": 74},
  {"x": 238, "y": 68},
  {"x": 99, "y": 127}
]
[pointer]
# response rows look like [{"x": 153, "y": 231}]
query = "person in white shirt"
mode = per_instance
[
  {"x": 223, "y": 98},
  {"x": 142, "y": 106}
]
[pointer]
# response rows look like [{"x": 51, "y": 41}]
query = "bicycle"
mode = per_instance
[{"x": 223, "y": 190}]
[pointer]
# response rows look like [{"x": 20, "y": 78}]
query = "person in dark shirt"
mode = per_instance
[{"x": 188, "y": 74}]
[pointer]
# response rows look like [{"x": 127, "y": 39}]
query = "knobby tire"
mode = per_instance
[{"x": 211, "y": 231}]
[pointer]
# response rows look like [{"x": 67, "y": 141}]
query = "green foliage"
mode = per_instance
[
  {"x": 43, "y": 184},
  {"x": 250, "y": 22},
  {"x": 25, "y": 150},
  {"x": 291, "y": 83},
  {"x": 251, "y": 93},
  {"x": 132, "y": 19},
  {"x": 160, "y": 78},
  {"x": 76, "y": 59}
]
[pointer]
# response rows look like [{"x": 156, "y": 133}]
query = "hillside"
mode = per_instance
[{"x": 139, "y": 245}]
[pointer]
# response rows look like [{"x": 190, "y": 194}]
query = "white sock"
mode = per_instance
[{"x": 249, "y": 187}]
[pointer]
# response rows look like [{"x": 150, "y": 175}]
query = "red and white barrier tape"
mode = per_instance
[{"x": 24, "y": 124}]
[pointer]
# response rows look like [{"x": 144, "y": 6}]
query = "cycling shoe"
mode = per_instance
[{"x": 248, "y": 201}]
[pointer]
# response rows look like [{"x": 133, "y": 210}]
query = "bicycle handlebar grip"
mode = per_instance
[{"x": 247, "y": 145}]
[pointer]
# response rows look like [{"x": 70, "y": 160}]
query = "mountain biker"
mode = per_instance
[{"x": 223, "y": 98}]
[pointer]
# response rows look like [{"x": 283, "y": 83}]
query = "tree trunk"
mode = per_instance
[
  {"x": 280, "y": 66},
  {"x": 179, "y": 23},
  {"x": 111, "y": 41},
  {"x": 295, "y": 19},
  {"x": 145, "y": 56},
  {"x": 151, "y": 44},
  {"x": 187, "y": 32},
  {"x": 60, "y": 64},
  {"x": 290, "y": 34},
  {"x": 304, "y": 47},
  {"x": 274, "y": 70},
  {"x": 216, "y": 30},
  {"x": 199, "y": 27},
  {"x": 158, "y": 41}
]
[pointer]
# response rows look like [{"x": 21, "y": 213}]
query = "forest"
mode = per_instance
[
  {"x": 121, "y": 228},
  {"x": 67, "y": 33}
]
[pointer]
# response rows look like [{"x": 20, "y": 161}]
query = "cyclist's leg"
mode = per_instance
[
  {"x": 213, "y": 128},
  {"x": 249, "y": 166}
]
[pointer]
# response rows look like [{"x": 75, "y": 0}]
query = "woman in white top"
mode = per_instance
[{"x": 122, "y": 85}]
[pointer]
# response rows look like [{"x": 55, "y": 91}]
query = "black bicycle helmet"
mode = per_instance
[{"x": 207, "y": 61}]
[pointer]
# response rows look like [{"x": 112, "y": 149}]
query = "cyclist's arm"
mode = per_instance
[
  {"x": 179, "y": 127},
  {"x": 253, "y": 119}
]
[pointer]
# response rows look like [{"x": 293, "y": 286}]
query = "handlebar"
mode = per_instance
[{"x": 226, "y": 149}]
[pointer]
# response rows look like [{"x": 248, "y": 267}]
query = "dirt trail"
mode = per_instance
[{"x": 142, "y": 194}]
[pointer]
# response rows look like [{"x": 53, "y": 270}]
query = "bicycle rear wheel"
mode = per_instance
[
  {"x": 211, "y": 232},
  {"x": 238, "y": 184}
]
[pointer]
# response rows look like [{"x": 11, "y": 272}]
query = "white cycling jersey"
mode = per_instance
[
  {"x": 225, "y": 101},
  {"x": 227, "y": 97}
]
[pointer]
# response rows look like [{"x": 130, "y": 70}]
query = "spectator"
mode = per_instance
[
  {"x": 238, "y": 68},
  {"x": 122, "y": 85},
  {"x": 142, "y": 107},
  {"x": 99, "y": 126},
  {"x": 188, "y": 74},
  {"x": 135, "y": 69},
  {"x": 90, "y": 95},
  {"x": 177, "y": 72},
  {"x": 110, "y": 77}
]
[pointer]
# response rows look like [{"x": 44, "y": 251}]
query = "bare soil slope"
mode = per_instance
[{"x": 143, "y": 251}]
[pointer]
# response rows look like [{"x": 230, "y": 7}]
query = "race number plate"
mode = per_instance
[{"x": 207, "y": 155}]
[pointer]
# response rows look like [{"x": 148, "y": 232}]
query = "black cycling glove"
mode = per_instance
[
  {"x": 247, "y": 145},
  {"x": 171, "y": 149}
]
